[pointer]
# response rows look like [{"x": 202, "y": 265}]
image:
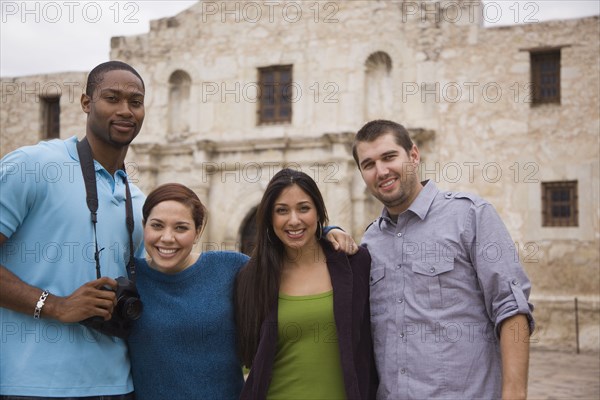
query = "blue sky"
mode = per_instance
[{"x": 55, "y": 36}]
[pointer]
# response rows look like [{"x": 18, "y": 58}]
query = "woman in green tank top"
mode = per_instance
[{"x": 302, "y": 309}]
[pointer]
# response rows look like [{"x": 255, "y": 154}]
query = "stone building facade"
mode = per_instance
[{"x": 464, "y": 92}]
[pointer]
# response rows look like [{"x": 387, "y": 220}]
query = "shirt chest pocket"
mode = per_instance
[
  {"x": 432, "y": 283},
  {"x": 377, "y": 291}
]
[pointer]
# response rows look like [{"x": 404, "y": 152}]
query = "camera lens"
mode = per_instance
[{"x": 132, "y": 308}]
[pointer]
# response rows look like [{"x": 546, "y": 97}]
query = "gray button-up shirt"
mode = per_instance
[{"x": 443, "y": 278}]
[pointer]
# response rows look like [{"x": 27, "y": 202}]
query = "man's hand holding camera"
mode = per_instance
[{"x": 89, "y": 300}]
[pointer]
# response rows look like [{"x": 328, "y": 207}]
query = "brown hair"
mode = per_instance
[
  {"x": 181, "y": 194},
  {"x": 371, "y": 131}
]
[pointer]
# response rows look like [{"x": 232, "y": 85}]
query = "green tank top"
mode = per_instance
[{"x": 307, "y": 362}]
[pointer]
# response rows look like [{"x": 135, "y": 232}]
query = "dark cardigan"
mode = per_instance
[{"x": 350, "y": 281}]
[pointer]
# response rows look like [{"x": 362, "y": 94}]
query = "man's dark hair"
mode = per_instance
[
  {"x": 96, "y": 76},
  {"x": 375, "y": 129}
]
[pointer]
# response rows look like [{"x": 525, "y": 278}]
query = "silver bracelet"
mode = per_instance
[{"x": 38, "y": 306}]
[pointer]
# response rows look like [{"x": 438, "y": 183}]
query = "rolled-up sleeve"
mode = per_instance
[{"x": 503, "y": 280}]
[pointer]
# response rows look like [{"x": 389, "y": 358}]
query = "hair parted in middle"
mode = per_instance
[{"x": 257, "y": 284}]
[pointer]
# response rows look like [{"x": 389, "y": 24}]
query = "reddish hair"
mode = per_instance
[{"x": 181, "y": 194}]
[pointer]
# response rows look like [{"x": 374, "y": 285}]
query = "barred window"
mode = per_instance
[
  {"x": 559, "y": 203},
  {"x": 545, "y": 76},
  {"x": 276, "y": 93}
]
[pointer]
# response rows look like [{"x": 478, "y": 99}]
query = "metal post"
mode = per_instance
[{"x": 577, "y": 324}]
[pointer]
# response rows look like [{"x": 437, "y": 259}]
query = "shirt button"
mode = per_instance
[
  {"x": 515, "y": 282},
  {"x": 398, "y": 266},
  {"x": 403, "y": 371},
  {"x": 448, "y": 195},
  {"x": 399, "y": 234},
  {"x": 432, "y": 270},
  {"x": 401, "y": 335},
  {"x": 400, "y": 300}
]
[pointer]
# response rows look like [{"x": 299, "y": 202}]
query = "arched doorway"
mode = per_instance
[{"x": 248, "y": 232}]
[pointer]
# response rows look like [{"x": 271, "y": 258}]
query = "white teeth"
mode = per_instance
[
  {"x": 295, "y": 232},
  {"x": 166, "y": 251},
  {"x": 387, "y": 183}
]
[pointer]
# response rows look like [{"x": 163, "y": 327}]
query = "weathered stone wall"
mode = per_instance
[
  {"x": 466, "y": 84},
  {"x": 220, "y": 47},
  {"x": 502, "y": 132},
  {"x": 20, "y": 107},
  {"x": 461, "y": 89}
]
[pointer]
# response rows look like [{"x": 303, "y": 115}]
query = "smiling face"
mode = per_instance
[
  {"x": 389, "y": 172},
  {"x": 295, "y": 218},
  {"x": 115, "y": 109},
  {"x": 169, "y": 235}
]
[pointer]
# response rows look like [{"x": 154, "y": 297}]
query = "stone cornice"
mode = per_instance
[
  {"x": 325, "y": 141},
  {"x": 251, "y": 145}
]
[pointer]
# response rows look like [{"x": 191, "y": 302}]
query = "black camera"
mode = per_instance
[{"x": 128, "y": 308}]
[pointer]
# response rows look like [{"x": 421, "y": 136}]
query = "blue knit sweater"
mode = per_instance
[{"x": 183, "y": 346}]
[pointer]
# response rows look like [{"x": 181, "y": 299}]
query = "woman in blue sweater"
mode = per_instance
[{"x": 183, "y": 346}]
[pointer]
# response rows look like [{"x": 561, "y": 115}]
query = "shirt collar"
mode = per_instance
[
  {"x": 420, "y": 205},
  {"x": 71, "y": 144}
]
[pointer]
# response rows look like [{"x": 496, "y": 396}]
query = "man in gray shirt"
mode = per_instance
[{"x": 449, "y": 298}]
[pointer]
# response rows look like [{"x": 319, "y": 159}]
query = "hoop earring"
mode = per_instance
[{"x": 319, "y": 230}]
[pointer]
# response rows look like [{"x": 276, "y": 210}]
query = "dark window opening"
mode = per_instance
[{"x": 50, "y": 117}]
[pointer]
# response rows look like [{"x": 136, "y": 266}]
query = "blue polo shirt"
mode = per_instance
[{"x": 50, "y": 245}]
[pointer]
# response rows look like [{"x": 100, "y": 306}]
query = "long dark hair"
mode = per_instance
[{"x": 257, "y": 284}]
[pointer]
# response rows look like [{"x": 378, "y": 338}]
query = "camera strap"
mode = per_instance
[{"x": 89, "y": 178}]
